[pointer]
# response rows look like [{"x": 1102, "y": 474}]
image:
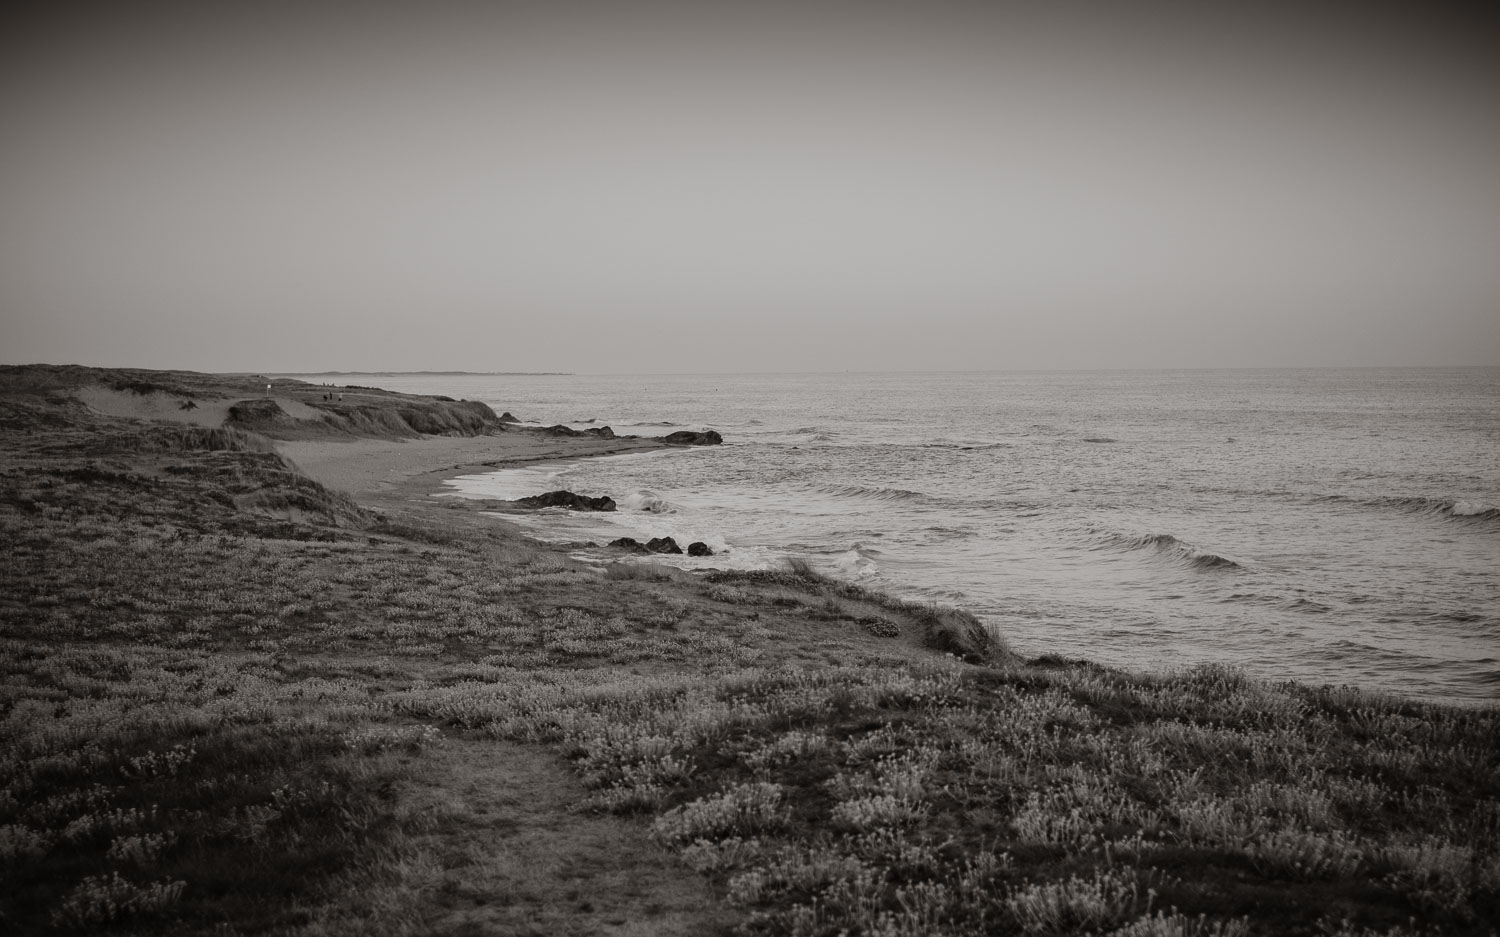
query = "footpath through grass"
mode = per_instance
[{"x": 216, "y": 719}]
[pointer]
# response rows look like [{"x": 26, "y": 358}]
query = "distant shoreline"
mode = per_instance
[{"x": 422, "y": 373}]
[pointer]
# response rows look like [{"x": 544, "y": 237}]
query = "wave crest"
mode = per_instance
[
  {"x": 1166, "y": 545},
  {"x": 1466, "y": 511},
  {"x": 1474, "y": 513},
  {"x": 1474, "y": 510},
  {"x": 874, "y": 493}
]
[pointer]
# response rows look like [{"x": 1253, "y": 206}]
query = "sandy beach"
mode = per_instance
[{"x": 398, "y": 468}]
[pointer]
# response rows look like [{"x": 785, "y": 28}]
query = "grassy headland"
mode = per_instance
[{"x": 237, "y": 701}]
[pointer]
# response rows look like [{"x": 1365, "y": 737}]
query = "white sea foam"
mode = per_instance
[
  {"x": 856, "y": 564},
  {"x": 647, "y": 501},
  {"x": 1471, "y": 508}
]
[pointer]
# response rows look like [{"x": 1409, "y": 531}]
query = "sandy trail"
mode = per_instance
[{"x": 512, "y": 853}]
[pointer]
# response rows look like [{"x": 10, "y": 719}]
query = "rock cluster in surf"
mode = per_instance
[
  {"x": 569, "y": 500},
  {"x": 661, "y": 545},
  {"x": 687, "y": 437}
]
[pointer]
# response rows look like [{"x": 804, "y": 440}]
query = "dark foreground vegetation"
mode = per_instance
[{"x": 234, "y": 702}]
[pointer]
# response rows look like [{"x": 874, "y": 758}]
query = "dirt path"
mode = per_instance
[{"x": 510, "y": 852}]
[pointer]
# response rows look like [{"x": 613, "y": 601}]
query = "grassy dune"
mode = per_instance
[{"x": 236, "y": 702}]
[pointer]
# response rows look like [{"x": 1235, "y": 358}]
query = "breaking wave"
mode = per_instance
[
  {"x": 876, "y": 493},
  {"x": 858, "y": 562},
  {"x": 648, "y": 502},
  {"x": 1475, "y": 510},
  {"x": 1474, "y": 513},
  {"x": 1166, "y": 545}
]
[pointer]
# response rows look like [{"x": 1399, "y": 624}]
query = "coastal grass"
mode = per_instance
[
  {"x": 938, "y": 798},
  {"x": 220, "y": 714}
]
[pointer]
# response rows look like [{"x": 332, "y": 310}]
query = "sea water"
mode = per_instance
[{"x": 1328, "y": 526}]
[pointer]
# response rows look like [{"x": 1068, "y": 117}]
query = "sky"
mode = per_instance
[{"x": 696, "y": 187}]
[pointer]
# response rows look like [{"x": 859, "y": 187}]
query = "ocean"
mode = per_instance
[{"x": 1327, "y": 526}]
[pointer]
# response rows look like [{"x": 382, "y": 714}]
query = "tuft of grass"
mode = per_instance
[{"x": 801, "y": 569}]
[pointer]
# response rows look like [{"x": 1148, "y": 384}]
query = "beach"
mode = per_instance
[
  {"x": 263, "y": 675},
  {"x": 401, "y": 469}
]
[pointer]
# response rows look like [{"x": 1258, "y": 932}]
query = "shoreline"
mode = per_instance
[
  {"x": 403, "y": 478},
  {"x": 397, "y": 469}
]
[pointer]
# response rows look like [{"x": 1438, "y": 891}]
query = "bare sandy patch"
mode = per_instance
[
  {"x": 298, "y": 410},
  {"x": 156, "y": 405}
]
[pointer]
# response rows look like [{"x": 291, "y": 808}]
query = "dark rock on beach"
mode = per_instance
[
  {"x": 507, "y": 418},
  {"x": 602, "y": 432},
  {"x": 654, "y": 545},
  {"x": 699, "y": 548},
  {"x": 689, "y": 438},
  {"x": 569, "y": 500}
]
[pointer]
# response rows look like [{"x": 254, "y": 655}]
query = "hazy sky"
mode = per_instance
[{"x": 747, "y": 186}]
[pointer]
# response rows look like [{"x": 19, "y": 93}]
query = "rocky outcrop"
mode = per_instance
[
  {"x": 687, "y": 437},
  {"x": 654, "y": 545},
  {"x": 699, "y": 548},
  {"x": 507, "y": 418},
  {"x": 569, "y": 500},
  {"x": 599, "y": 432}
]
